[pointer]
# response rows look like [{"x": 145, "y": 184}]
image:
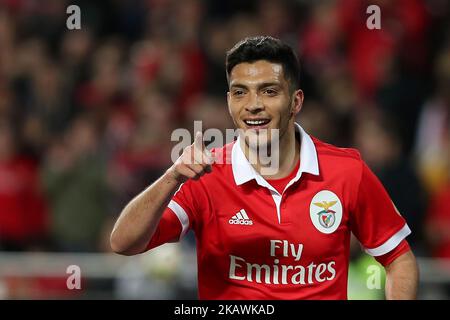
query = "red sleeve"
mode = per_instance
[
  {"x": 375, "y": 220},
  {"x": 386, "y": 259},
  {"x": 168, "y": 230},
  {"x": 177, "y": 219}
]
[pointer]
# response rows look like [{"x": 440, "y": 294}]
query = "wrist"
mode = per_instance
[{"x": 173, "y": 177}]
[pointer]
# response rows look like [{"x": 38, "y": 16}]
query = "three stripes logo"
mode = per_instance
[{"x": 241, "y": 218}]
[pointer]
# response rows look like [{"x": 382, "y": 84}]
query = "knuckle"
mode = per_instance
[
  {"x": 190, "y": 175},
  {"x": 198, "y": 170}
]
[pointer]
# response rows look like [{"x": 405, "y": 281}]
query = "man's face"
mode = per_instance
[{"x": 260, "y": 100}]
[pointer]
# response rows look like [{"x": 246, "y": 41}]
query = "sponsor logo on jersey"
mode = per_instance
[
  {"x": 285, "y": 268},
  {"x": 241, "y": 218},
  {"x": 326, "y": 211}
]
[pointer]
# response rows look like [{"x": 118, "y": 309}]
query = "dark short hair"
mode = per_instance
[{"x": 265, "y": 48}]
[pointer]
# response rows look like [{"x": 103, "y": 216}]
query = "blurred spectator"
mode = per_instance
[
  {"x": 215, "y": 42},
  {"x": 74, "y": 174},
  {"x": 433, "y": 137},
  {"x": 178, "y": 69},
  {"x": 49, "y": 111},
  {"x": 378, "y": 141},
  {"x": 320, "y": 37},
  {"x": 23, "y": 211},
  {"x": 438, "y": 216},
  {"x": 242, "y": 25},
  {"x": 212, "y": 111},
  {"x": 402, "y": 34},
  {"x": 276, "y": 18},
  {"x": 7, "y": 37},
  {"x": 103, "y": 90},
  {"x": 315, "y": 118},
  {"x": 145, "y": 152}
]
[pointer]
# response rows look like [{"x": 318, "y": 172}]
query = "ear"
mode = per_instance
[{"x": 297, "y": 102}]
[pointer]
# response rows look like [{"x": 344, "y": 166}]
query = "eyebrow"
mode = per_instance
[{"x": 261, "y": 85}]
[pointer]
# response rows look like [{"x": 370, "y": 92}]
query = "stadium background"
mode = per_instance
[{"x": 86, "y": 117}]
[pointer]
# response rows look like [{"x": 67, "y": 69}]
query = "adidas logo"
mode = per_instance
[{"x": 241, "y": 218}]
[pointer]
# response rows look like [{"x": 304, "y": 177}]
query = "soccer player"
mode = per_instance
[{"x": 270, "y": 234}]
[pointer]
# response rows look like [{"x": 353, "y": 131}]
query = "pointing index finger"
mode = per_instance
[
  {"x": 203, "y": 155},
  {"x": 198, "y": 141}
]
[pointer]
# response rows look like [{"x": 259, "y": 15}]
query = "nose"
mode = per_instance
[{"x": 255, "y": 104}]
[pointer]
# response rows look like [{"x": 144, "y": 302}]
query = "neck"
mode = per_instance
[{"x": 287, "y": 154}]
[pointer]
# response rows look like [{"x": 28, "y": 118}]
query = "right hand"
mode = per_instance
[{"x": 194, "y": 162}]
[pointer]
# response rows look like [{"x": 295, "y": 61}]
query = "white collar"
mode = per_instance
[{"x": 243, "y": 170}]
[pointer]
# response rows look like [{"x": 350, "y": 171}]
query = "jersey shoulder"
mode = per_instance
[{"x": 337, "y": 155}]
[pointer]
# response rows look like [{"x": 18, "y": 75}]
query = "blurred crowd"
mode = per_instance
[{"x": 86, "y": 115}]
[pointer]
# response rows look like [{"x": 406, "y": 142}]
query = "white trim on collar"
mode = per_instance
[{"x": 243, "y": 171}]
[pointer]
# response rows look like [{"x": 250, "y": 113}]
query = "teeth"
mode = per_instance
[{"x": 255, "y": 122}]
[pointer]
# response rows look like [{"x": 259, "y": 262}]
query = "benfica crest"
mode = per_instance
[
  {"x": 326, "y": 216},
  {"x": 326, "y": 211}
]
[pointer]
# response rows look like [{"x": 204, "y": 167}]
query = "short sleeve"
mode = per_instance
[
  {"x": 177, "y": 218},
  {"x": 388, "y": 258},
  {"x": 374, "y": 219}
]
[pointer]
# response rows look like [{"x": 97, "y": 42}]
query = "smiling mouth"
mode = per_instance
[{"x": 257, "y": 123}]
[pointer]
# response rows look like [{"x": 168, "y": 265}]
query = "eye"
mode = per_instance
[
  {"x": 270, "y": 92},
  {"x": 238, "y": 92}
]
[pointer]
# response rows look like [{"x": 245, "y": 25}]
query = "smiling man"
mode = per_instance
[
  {"x": 278, "y": 235},
  {"x": 263, "y": 103}
]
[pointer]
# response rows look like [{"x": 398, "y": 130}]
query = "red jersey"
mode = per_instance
[
  {"x": 23, "y": 213},
  {"x": 255, "y": 243}
]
